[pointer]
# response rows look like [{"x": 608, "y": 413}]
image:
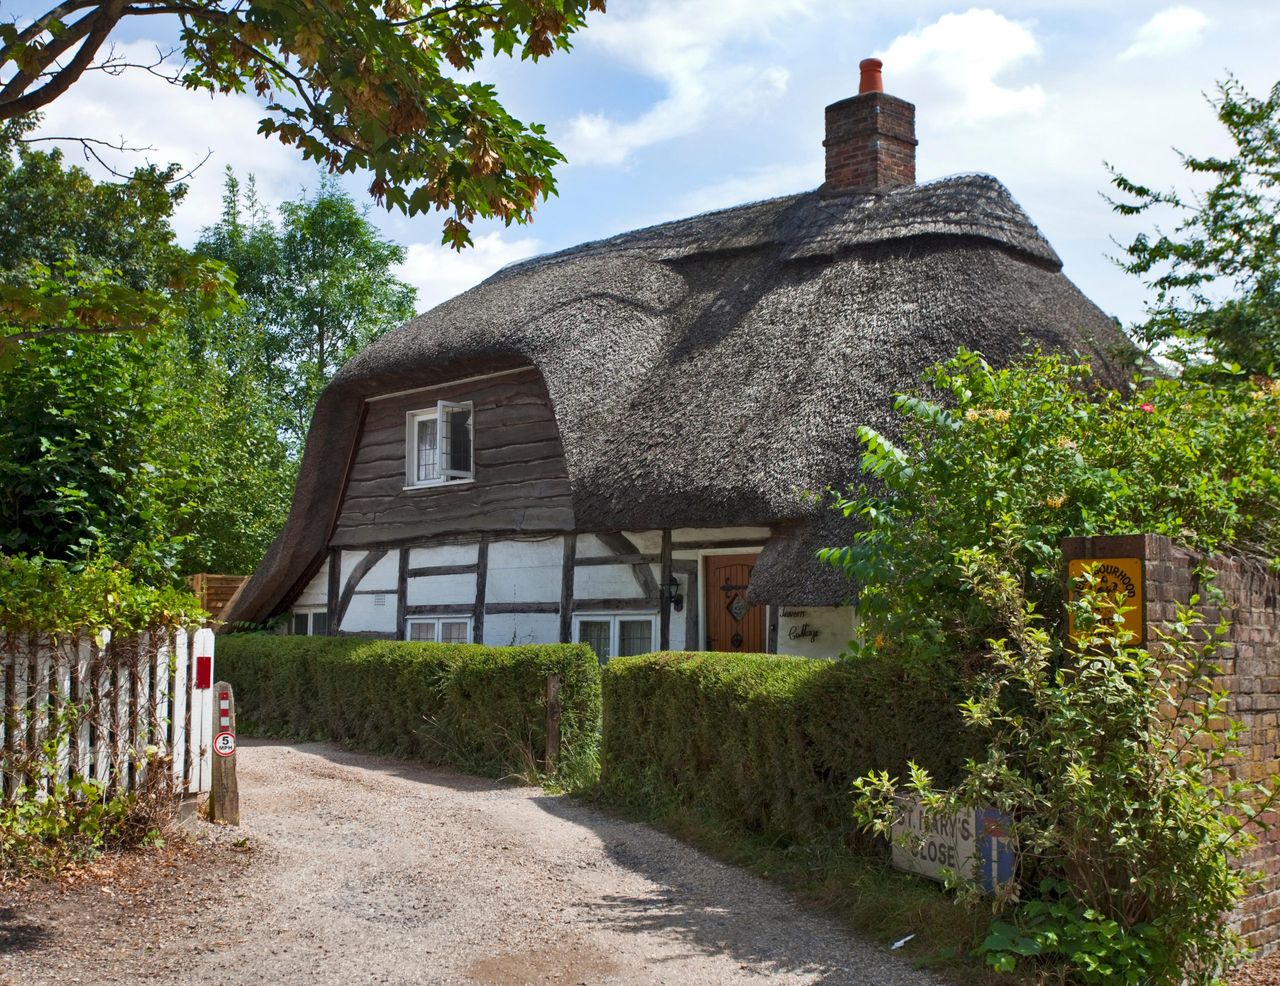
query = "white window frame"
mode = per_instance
[
  {"x": 310, "y": 612},
  {"x": 614, "y": 631},
  {"x": 438, "y": 414},
  {"x": 437, "y": 620}
]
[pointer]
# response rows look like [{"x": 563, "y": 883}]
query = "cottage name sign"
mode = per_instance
[
  {"x": 801, "y": 631},
  {"x": 973, "y": 844},
  {"x": 1118, "y": 579}
]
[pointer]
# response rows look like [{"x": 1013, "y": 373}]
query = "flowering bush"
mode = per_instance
[{"x": 1039, "y": 448}]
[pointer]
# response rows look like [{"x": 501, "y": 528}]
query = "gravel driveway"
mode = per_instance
[{"x": 371, "y": 870}]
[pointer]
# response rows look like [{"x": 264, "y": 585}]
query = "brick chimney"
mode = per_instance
[{"x": 871, "y": 138}]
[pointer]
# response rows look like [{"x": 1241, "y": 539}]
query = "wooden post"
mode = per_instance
[
  {"x": 553, "y": 722},
  {"x": 224, "y": 797}
]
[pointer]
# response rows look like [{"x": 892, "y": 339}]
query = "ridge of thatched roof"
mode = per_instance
[{"x": 713, "y": 370}]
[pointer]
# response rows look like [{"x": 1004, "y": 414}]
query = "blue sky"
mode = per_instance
[{"x": 670, "y": 107}]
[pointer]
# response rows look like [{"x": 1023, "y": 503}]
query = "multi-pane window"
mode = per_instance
[
  {"x": 634, "y": 637},
  {"x": 441, "y": 630},
  {"x": 439, "y": 445},
  {"x": 598, "y": 635},
  {"x": 617, "y": 636},
  {"x": 310, "y": 622}
]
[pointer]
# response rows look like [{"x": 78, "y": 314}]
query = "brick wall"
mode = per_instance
[
  {"x": 1250, "y": 664},
  {"x": 871, "y": 143}
]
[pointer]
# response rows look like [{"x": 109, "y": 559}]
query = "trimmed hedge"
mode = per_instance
[
  {"x": 767, "y": 742},
  {"x": 479, "y": 708}
]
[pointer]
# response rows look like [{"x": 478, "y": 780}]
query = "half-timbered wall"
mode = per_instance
[
  {"x": 531, "y": 590},
  {"x": 501, "y": 551}
]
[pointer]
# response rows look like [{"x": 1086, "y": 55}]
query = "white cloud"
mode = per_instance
[
  {"x": 682, "y": 43},
  {"x": 439, "y": 272},
  {"x": 1168, "y": 32},
  {"x": 762, "y": 183},
  {"x": 956, "y": 61},
  {"x": 180, "y": 126}
]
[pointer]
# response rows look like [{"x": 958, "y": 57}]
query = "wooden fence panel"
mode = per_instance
[{"x": 133, "y": 693}]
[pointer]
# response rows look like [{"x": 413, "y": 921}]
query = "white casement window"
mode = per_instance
[
  {"x": 310, "y": 622},
  {"x": 617, "y": 636},
  {"x": 438, "y": 445},
  {"x": 439, "y": 629}
]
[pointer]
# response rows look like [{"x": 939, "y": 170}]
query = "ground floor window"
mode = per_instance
[
  {"x": 310, "y": 622},
  {"x": 439, "y": 629},
  {"x": 617, "y": 636}
]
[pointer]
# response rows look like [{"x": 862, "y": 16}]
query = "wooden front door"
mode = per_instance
[{"x": 732, "y": 624}]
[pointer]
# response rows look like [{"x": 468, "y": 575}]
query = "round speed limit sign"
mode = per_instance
[{"x": 224, "y": 744}]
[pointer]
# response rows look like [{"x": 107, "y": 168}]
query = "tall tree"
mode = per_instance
[
  {"x": 317, "y": 287},
  {"x": 133, "y": 443},
  {"x": 79, "y": 467},
  {"x": 1216, "y": 274},
  {"x": 379, "y": 87}
]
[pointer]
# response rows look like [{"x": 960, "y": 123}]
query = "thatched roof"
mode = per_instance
[{"x": 713, "y": 370}]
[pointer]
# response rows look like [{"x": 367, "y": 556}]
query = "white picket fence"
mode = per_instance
[{"x": 151, "y": 691}]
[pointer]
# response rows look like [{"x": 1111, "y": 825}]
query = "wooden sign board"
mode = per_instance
[
  {"x": 1117, "y": 578},
  {"x": 973, "y": 844}
]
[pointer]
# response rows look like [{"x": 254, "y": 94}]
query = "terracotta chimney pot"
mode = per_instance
[
  {"x": 870, "y": 80},
  {"x": 870, "y": 138}
]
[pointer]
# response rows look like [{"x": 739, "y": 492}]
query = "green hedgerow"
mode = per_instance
[{"x": 479, "y": 708}]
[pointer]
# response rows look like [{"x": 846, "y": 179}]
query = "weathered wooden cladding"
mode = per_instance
[{"x": 521, "y": 483}]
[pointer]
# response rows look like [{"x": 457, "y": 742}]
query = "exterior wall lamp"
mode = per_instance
[{"x": 675, "y": 598}]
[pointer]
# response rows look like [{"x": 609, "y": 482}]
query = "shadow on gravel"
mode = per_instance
[
  {"x": 17, "y": 935},
  {"x": 711, "y": 907},
  {"x": 717, "y": 909}
]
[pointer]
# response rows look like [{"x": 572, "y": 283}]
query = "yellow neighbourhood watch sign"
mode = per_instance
[{"x": 1118, "y": 579}]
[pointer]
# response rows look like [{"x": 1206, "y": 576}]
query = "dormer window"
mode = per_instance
[{"x": 439, "y": 445}]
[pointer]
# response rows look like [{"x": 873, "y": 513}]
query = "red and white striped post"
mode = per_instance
[{"x": 224, "y": 799}]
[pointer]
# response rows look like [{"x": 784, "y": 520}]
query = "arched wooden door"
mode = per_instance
[{"x": 732, "y": 623}]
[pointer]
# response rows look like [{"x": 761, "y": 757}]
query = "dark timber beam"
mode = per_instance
[
  {"x": 632, "y": 605},
  {"x": 428, "y": 571},
  {"x": 566, "y": 588},
  {"x": 402, "y": 593},
  {"x": 482, "y": 579},
  {"x": 664, "y": 601},
  {"x": 622, "y": 546},
  {"x": 331, "y": 597},
  {"x": 496, "y": 608},
  {"x": 443, "y": 609},
  {"x": 363, "y": 568},
  {"x": 633, "y": 559}
]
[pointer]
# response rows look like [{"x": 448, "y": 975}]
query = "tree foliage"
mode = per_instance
[
  {"x": 317, "y": 288},
  {"x": 1216, "y": 274},
  {"x": 80, "y": 466},
  {"x": 1034, "y": 448},
  {"x": 79, "y": 257},
  {"x": 122, "y": 442},
  {"x": 382, "y": 87}
]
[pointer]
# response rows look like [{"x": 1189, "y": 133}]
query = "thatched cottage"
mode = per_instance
[{"x": 615, "y": 443}]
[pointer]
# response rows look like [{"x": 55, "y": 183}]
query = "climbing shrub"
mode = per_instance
[
  {"x": 479, "y": 708},
  {"x": 1114, "y": 765},
  {"x": 767, "y": 742},
  {"x": 50, "y": 816},
  {"x": 1039, "y": 447}
]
